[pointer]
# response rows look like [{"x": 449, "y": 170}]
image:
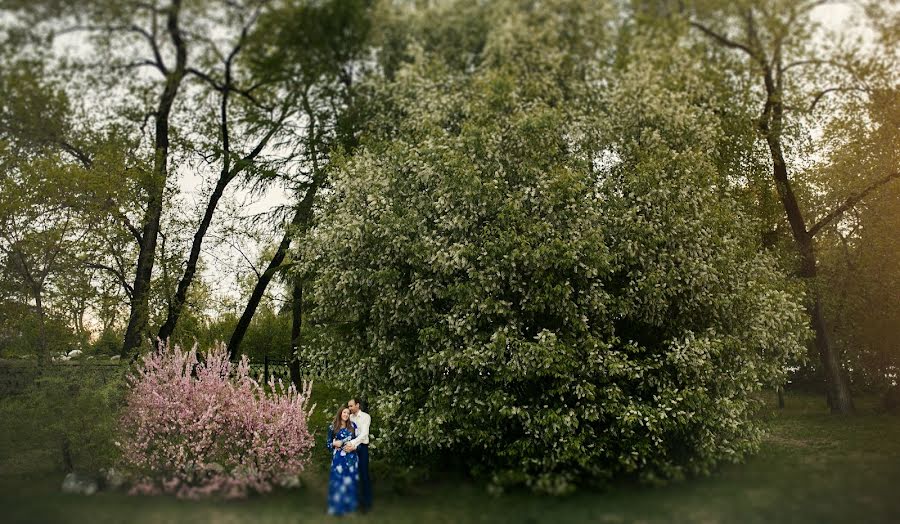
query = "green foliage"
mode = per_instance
[
  {"x": 109, "y": 343},
  {"x": 546, "y": 291},
  {"x": 313, "y": 51},
  {"x": 308, "y": 41},
  {"x": 839, "y": 141},
  {"x": 861, "y": 274},
  {"x": 21, "y": 332},
  {"x": 191, "y": 330},
  {"x": 544, "y": 256},
  {"x": 457, "y": 31},
  {"x": 74, "y": 406},
  {"x": 61, "y": 249},
  {"x": 269, "y": 333},
  {"x": 34, "y": 113}
]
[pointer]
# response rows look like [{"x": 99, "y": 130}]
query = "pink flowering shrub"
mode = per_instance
[{"x": 215, "y": 431}]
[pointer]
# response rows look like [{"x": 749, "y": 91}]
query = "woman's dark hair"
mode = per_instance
[{"x": 337, "y": 424}]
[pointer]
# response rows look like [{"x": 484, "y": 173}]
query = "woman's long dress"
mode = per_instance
[{"x": 342, "y": 497}]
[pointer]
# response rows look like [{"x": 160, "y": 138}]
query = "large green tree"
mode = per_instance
[
  {"x": 232, "y": 93},
  {"x": 543, "y": 283},
  {"x": 131, "y": 38}
]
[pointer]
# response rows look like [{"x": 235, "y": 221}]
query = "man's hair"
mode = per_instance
[{"x": 358, "y": 400}]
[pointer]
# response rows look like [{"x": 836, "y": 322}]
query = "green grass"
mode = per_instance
[{"x": 813, "y": 467}]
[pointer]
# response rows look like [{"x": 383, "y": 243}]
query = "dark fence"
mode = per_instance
[
  {"x": 278, "y": 369},
  {"x": 263, "y": 369}
]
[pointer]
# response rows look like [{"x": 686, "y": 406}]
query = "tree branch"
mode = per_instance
[
  {"x": 249, "y": 157},
  {"x": 851, "y": 201},
  {"x": 246, "y": 93},
  {"x": 119, "y": 276},
  {"x": 149, "y": 36},
  {"x": 801, "y": 63},
  {"x": 232, "y": 245},
  {"x": 80, "y": 154},
  {"x": 724, "y": 40},
  {"x": 135, "y": 232},
  {"x": 822, "y": 93},
  {"x": 154, "y": 46},
  {"x": 206, "y": 78}
]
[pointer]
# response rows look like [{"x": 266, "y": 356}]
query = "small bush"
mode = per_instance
[
  {"x": 109, "y": 343},
  {"x": 197, "y": 428},
  {"x": 71, "y": 410}
]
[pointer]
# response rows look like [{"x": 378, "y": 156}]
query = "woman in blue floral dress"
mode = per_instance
[{"x": 344, "y": 476}]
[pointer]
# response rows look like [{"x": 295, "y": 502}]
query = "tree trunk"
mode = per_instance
[
  {"x": 770, "y": 127},
  {"x": 259, "y": 289},
  {"x": 302, "y": 218},
  {"x": 139, "y": 315},
  {"x": 43, "y": 346},
  {"x": 838, "y": 391},
  {"x": 175, "y": 305},
  {"x": 296, "y": 325},
  {"x": 226, "y": 175}
]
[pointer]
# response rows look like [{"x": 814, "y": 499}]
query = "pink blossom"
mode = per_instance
[{"x": 214, "y": 432}]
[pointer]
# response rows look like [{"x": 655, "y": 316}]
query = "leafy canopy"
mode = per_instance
[{"x": 538, "y": 278}]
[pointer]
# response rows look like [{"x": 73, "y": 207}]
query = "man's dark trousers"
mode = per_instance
[{"x": 365, "y": 483}]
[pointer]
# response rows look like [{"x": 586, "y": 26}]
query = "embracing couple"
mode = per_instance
[{"x": 349, "y": 486}]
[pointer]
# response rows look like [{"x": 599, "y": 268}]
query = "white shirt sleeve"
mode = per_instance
[{"x": 362, "y": 429}]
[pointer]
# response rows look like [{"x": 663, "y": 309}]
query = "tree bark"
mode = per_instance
[
  {"x": 837, "y": 387},
  {"x": 190, "y": 269},
  {"x": 139, "y": 315},
  {"x": 36, "y": 287},
  {"x": 43, "y": 347},
  {"x": 296, "y": 327},
  {"x": 258, "y": 290}
]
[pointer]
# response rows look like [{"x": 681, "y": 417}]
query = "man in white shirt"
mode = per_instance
[{"x": 360, "y": 444}]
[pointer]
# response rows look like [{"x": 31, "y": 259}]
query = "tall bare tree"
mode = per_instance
[{"x": 233, "y": 164}]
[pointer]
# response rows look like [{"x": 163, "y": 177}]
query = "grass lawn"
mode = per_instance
[{"x": 813, "y": 468}]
